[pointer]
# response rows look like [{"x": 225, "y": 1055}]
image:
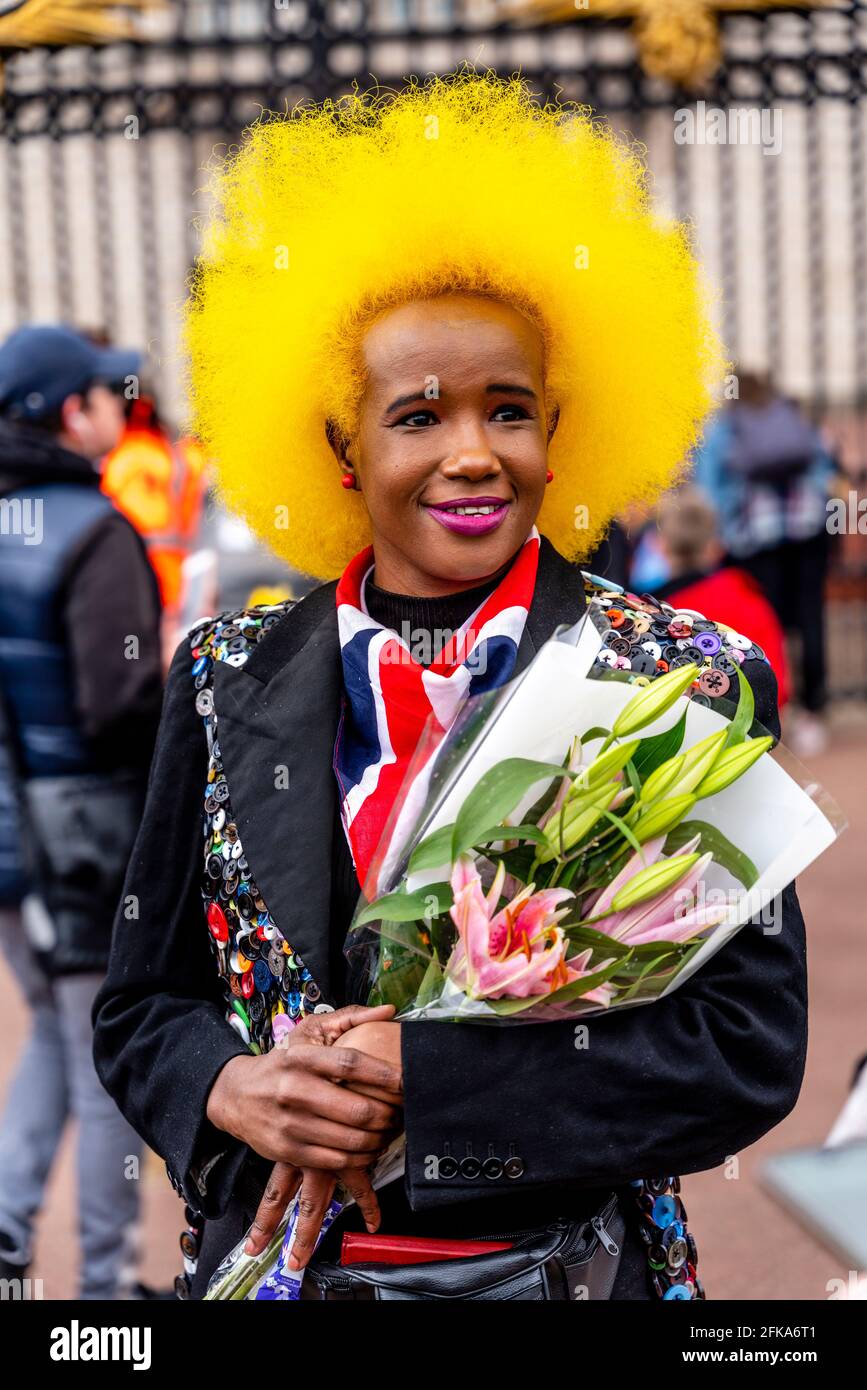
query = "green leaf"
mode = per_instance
[
  {"x": 662, "y": 956},
  {"x": 512, "y": 832},
  {"x": 724, "y": 852},
  {"x": 596, "y": 732},
  {"x": 432, "y": 985},
  {"x": 495, "y": 795},
  {"x": 634, "y": 779},
  {"x": 401, "y": 982},
  {"x": 623, "y": 828},
  {"x": 573, "y": 866},
  {"x": 744, "y": 714},
  {"x": 434, "y": 850},
  {"x": 651, "y": 752},
  {"x": 549, "y": 795},
  {"x": 589, "y": 936},
  {"x": 407, "y": 907}
]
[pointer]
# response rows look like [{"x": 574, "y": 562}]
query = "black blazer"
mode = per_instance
[{"x": 675, "y": 1087}]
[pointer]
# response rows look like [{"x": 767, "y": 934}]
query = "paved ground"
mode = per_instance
[{"x": 748, "y": 1247}]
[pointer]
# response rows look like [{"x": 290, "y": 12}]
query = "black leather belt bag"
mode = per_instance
[{"x": 561, "y": 1261}]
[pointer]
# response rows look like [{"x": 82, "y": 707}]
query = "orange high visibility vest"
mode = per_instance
[{"x": 159, "y": 486}]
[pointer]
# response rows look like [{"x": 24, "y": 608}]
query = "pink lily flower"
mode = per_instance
[
  {"x": 517, "y": 952},
  {"x": 669, "y": 916},
  {"x": 577, "y": 965}
]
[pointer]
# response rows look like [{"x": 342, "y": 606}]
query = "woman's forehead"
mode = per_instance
[{"x": 422, "y": 334}]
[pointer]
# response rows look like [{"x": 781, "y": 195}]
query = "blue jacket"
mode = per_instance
[{"x": 56, "y": 524}]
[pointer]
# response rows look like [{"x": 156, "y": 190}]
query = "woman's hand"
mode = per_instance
[
  {"x": 378, "y": 1038},
  {"x": 306, "y": 1103}
]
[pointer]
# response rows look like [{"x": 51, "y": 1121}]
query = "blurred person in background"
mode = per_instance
[
  {"x": 80, "y": 681},
  {"x": 689, "y": 541},
  {"x": 767, "y": 472},
  {"x": 159, "y": 483}
]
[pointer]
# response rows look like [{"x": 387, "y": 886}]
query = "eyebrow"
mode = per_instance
[
  {"x": 496, "y": 388},
  {"x": 509, "y": 388}
]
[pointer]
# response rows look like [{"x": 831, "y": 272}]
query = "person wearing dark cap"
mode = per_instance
[{"x": 80, "y": 682}]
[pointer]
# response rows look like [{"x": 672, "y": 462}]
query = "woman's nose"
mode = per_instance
[{"x": 471, "y": 457}]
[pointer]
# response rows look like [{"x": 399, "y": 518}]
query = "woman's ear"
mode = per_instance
[
  {"x": 553, "y": 421},
  {"x": 344, "y": 451},
  {"x": 337, "y": 440},
  {"x": 341, "y": 446}
]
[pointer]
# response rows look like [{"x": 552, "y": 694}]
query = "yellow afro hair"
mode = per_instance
[{"x": 329, "y": 214}]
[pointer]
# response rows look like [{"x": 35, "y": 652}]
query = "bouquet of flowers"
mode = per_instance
[
  {"x": 579, "y": 840},
  {"x": 576, "y": 845}
]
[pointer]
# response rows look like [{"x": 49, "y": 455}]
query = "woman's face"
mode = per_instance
[{"x": 453, "y": 417}]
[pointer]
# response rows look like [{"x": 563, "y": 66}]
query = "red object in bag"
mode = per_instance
[{"x": 360, "y": 1248}]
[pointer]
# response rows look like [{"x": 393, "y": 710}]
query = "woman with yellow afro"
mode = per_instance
[
  {"x": 437, "y": 339},
  {"x": 329, "y": 218}
]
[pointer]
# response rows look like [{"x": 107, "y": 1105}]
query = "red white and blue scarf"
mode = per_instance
[{"x": 389, "y": 695}]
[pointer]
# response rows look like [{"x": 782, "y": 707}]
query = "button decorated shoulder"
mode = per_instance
[
  {"x": 645, "y": 637},
  {"x": 233, "y": 636}
]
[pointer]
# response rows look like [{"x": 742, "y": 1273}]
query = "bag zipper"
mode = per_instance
[
  {"x": 605, "y": 1236},
  {"x": 515, "y": 1235}
]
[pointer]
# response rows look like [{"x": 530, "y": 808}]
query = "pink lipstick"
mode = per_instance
[{"x": 470, "y": 516}]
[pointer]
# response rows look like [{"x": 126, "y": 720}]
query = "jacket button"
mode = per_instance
[
  {"x": 189, "y": 1245},
  {"x": 470, "y": 1167},
  {"x": 493, "y": 1168},
  {"x": 513, "y": 1167},
  {"x": 447, "y": 1166}
]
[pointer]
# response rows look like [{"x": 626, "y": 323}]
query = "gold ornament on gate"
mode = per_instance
[
  {"x": 56, "y": 23},
  {"x": 59, "y": 23},
  {"x": 678, "y": 40}
]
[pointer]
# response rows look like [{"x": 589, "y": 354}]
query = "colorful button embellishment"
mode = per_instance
[
  {"x": 267, "y": 988},
  {"x": 645, "y": 637}
]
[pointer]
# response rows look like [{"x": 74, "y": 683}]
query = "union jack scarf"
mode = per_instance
[{"x": 389, "y": 695}]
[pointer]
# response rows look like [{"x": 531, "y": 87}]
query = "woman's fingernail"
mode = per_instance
[{"x": 249, "y": 1247}]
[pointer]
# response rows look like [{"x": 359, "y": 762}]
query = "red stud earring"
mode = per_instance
[
  {"x": 348, "y": 480},
  {"x": 549, "y": 476}
]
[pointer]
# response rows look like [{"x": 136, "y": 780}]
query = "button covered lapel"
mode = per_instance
[{"x": 276, "y": 723}]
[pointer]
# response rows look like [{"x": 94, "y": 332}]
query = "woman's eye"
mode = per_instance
[
  {"x": 418, "y": 419},
  {"x": 510, "y": 412}
]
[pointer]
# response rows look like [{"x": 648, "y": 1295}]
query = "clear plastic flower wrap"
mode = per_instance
[{"x": 574, "y": 845}]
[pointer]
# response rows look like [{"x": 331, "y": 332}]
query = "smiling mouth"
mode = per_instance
[
  {"x": 469, "y": 510},
  {"x": 469, "y": 504},
  {"x": 470, "y": 516}
]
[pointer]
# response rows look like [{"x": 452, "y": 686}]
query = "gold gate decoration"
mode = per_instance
[
  {"x": 55, "y": 23},
  {"x": 678, "y": 40}
]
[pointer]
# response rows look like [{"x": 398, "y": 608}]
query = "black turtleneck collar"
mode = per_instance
[{"x": 426, "y": 624}]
